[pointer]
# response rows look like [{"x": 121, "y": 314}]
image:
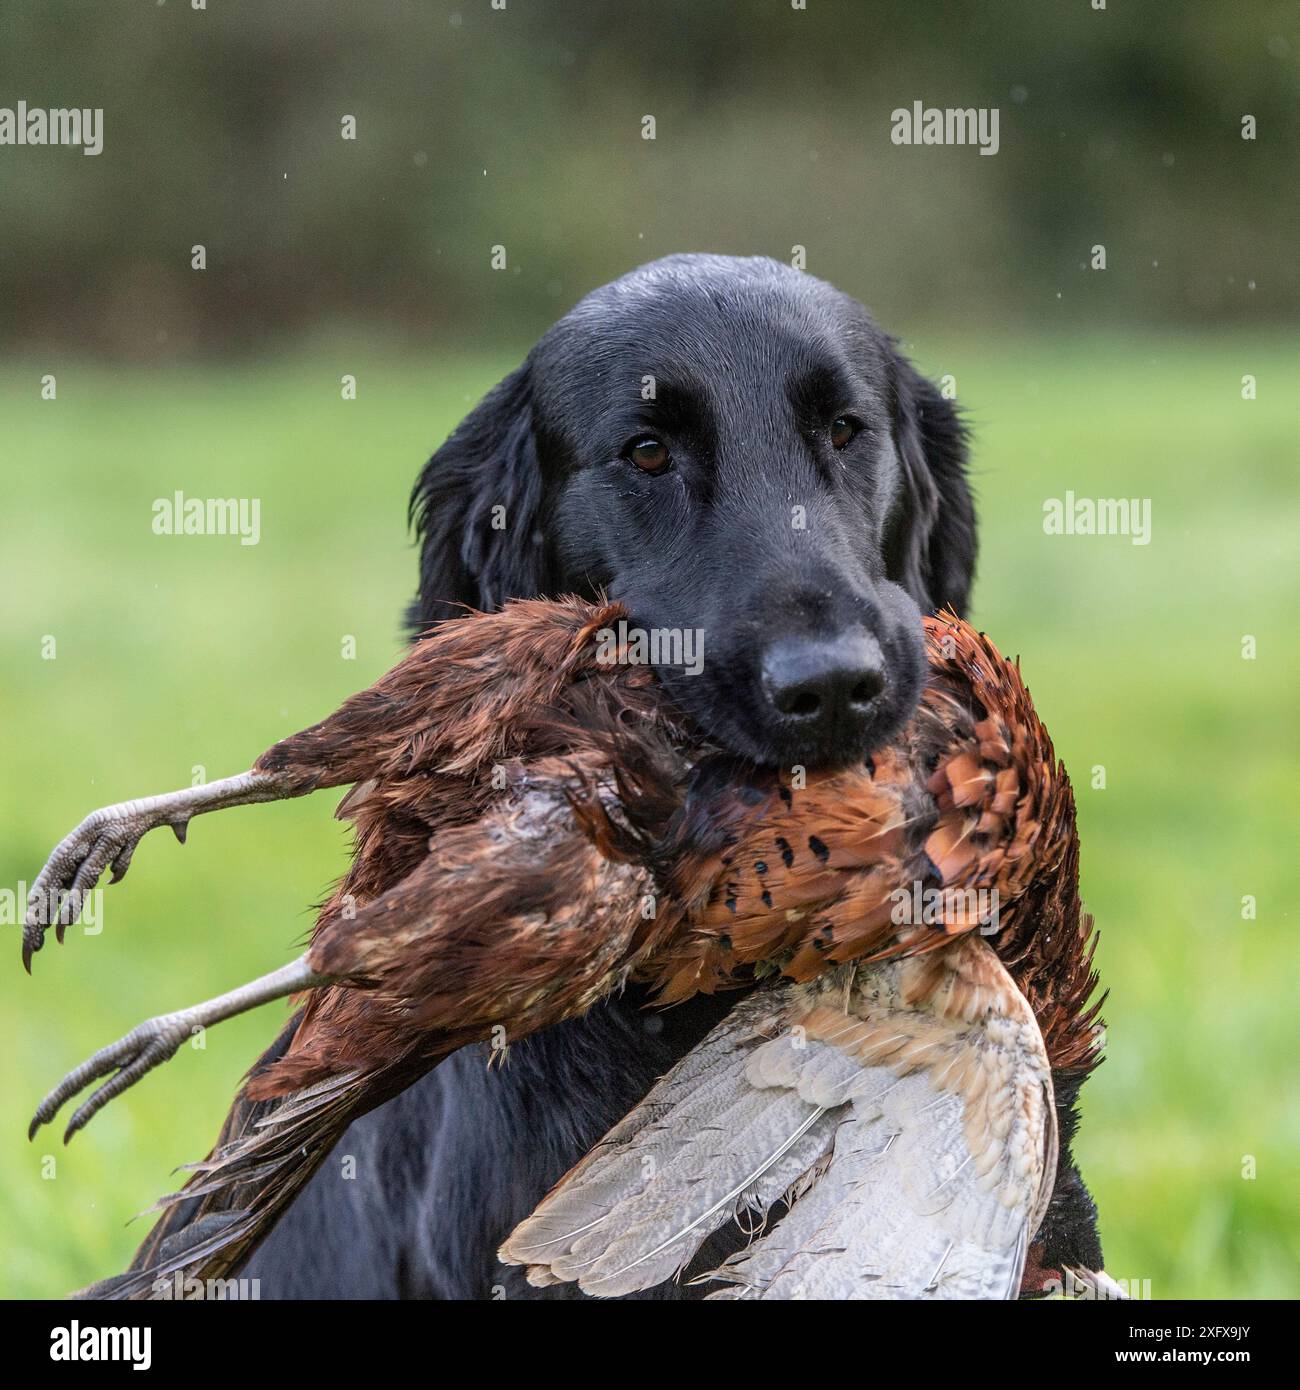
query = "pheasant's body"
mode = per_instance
[
  {"x": 535, "y": 829},
  {"x": 610, "y": 847}
]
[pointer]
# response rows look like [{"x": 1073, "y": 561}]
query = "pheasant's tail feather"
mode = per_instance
[
  {"x": 894, "y": 1143},
  {"x": 263, "y": 1158}
]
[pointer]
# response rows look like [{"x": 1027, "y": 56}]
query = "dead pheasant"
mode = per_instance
[{"x": 535, "y": 829}]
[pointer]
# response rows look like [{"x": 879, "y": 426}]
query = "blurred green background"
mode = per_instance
[{"x": 521, "y": 127}]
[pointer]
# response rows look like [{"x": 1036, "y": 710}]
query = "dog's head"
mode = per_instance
[{"x": 734, "y": 450}]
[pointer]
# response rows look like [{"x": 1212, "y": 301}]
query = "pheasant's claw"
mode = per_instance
[
  {"x": 157, "y": 1039},
  {"x": 143, "y": 1048},
  {"x": 108, "y": 836},
  {"x": 122, "y": 862}
]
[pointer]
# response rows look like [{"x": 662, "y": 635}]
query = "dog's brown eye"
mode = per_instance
[
  {"x": 649, "y": 454},
  {"x": 843, "y": 428}
]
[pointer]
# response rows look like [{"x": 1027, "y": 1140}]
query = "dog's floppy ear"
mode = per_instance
[
  {"x": 931, "y": 547},
  {"x": 475, "y": 507}
]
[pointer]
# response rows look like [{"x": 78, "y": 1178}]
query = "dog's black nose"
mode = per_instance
[{"x": 824, "y": 681}]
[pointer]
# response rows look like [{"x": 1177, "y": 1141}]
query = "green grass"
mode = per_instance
[{"x": 176, "y": 652}]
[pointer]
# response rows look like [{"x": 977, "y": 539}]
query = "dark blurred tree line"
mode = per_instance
[{"x": 521, "y": 127}]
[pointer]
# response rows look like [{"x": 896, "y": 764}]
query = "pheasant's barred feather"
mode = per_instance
[{"x": 536, "y": 827}]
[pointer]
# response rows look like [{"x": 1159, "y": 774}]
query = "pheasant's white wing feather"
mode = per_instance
[{"x": 902, "y": 1111}]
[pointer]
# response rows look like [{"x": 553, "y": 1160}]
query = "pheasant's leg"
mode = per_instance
[
  {"x": 110, "y": 835},
  {"x": 157, "y": 1039}
]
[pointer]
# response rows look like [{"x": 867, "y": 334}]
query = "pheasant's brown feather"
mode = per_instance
[{"x": 536, "y": 827}]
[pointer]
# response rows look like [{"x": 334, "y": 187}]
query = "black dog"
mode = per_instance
[{"x": 732, "y": 448}]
